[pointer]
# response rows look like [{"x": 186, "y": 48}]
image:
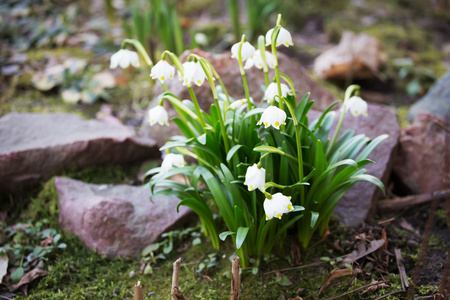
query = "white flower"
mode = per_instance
[
  {"x": 158, "y": 114},
  {"x": 162, "y": 70},
  {"x": 238, "y": 103},
  {"x": 193, "y": 72},
  {"x": 255, "y": 178},
  {"x": 272, "y": 91},
  {"x": 277, "y": 206},
  {"x": 124, "y": 58},
  {"x": 284, "y": 38},
  {"x": 273, "y": 116},
  {"x": 247, "y": 50},
  {"x": 357, "y": 106},
  {"x": 257, "y": 60},
  {"x": 172, "y": 160}
]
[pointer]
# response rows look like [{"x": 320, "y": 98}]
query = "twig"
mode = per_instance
[
  {"x": 235, "y": 279},
  {"x": 175, "y": 276},
  {"x": 358, "y": 289},
  {"x": 386, "y": 221},
  {"x": 401, "y": 269},
  {"x": 390, "y": 294},
  {"x": 138, "y": 293},
  {"x": 402, "y": 203},
  {"x": 423, "y": 247},
  {"x": 296, "y": 268}
]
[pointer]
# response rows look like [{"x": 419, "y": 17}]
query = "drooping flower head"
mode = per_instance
[
  {"x": 277, "y": 206},
  {"x": 273, "y": 116},
  {"x": 272, "y": 91},
  {"x": 158, "y": 114},
  {"x": 357, "y": 106},
  {"x": 284, "y": 38},
  {"x": 193, "y": 72},
  {"x": 257, "y": 60},
  {"x": 255, "y": 178},
  {"x": 247, "y": 51},
  {"x": 172, "y": 160},
  {"x": 238, "y": 103},
  {"x": 162, "y": 71},
  {"x": 124, "y": 58}
]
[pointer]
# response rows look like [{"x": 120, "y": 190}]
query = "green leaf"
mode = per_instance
[
  {"x": 240, "y": 236},
  {"x": 150, "y": 248},
  {"x": 369, "y": 148},
  {"x": 232, "y": 151},
  {"x": 298, "y": 208},
  {"x": 202, "y": 139},
  {"x": 224, "y": 234},
  {"x": 314, "y": 218},
  {"x": 371, "y": 179},
  {"x": 17, "y": 274},
  {"x": 268, "y": 149}
]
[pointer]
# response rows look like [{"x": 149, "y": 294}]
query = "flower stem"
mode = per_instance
[
  {"x": 197, "y": 107},
  {"x": 140, "y": 49},
  {"x": 348, "y": 94}
]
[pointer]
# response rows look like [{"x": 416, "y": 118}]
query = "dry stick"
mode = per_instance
[
  {"x": 176, "y": 277},
  {"x": 296, "y": 268},
  {"x": 235, "y": 279},
  {"x": 402, "y": 203},
  {"x": 358, "y": 289},
  {"x": 138, "y": 294},
  {"x": 445, "y": 281},
  {"x": 401, "y": 269},
  {"x": 423, "y": 248}
]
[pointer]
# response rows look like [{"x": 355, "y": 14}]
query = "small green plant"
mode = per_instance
[
  {"x": 256, "y": 10},
  {"x": 30, "y": 245},
  {"x": 153, "y": 22},
  {"x": 261, "y": 179},
  {"x": 415, "y": 80}
]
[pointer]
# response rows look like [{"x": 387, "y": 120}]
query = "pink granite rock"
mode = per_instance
[
  {"x": 423, "y": 147},
  {"x": 116, "y": 220},
  {"x": 35, "y": 146},
  {"x": 360, "y": 201}
]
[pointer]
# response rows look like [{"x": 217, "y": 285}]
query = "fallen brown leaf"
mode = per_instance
[
  {"x": 375, "y": 287},
  {"x": 362, "y": 251},
  {"x": 27, "y": 278},
  {"x": 47, "y": 241},
  {"x": 335, "y": 274}
]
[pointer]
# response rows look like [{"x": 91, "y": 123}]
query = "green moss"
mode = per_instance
[
  {"x": 402, "y": 114},
  {"x": 38, "y": 54}
]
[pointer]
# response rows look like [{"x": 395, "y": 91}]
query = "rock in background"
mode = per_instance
[
  {"x": 35, "y": 146},
  {"x": 116, "y": 220},
  {"x": 421, "y": 158},
  {"x": 355, "y": 57},
  {"x": 359, "y": 202},
  {"x": 436, "y": 101}
]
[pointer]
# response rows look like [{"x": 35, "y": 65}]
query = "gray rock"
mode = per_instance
[
  {"x": 116, "y": 220},
  {"x": 421, "y": 160},
  {"x": 35, "y": 146},
  {"x": 360, "y": 201},
  {"x": 436, "y": 101},
  {"x": 228, "y": 69}
]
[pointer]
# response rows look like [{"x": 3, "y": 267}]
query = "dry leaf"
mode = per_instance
[
  {"x": 27, "y": 278},
  {"x": 47, "y": 241},
  {"x": 335, "y": 274},
  {"x": 375, "y": 287},
  {"x": 384, "y": 238},
  {"x": 3, "y": 265},
  {"x": 362, "y": 251}
]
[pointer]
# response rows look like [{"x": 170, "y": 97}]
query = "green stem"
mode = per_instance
[
  {"x": 226, "y": 143},
  {"x": 197, "y": 107},
  {"x": 274, "y": 37},
  {"x": 348, "y": 94},
  {"x": 140, "y": 49}
]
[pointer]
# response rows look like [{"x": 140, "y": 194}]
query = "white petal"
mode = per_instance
[
  {"x": 162, "y": 71},
  {"x": 158, "y": 114},
  {"x": 247, "y": 50},
  {"x": 357, "y": 106},
  {"x": 255, "y": 177},
  {"x": 273, "y": 116},
  {"x": 272, "y": 91},
  {"x": 284, "y": 38}
]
